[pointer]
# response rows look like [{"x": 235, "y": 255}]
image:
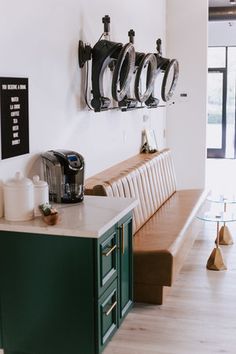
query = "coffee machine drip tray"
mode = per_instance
[{"x": 71, "y": 193}]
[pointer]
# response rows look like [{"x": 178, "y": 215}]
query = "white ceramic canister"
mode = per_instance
[
  {"x": 40, "y": 194},
  {"x": 1, "y": 199},
  {"x": 18, "y": 198}
]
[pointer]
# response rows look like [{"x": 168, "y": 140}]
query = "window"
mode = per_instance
[
  {"x": 216, "y": 57},
  {"x": 221, "y": 102}
]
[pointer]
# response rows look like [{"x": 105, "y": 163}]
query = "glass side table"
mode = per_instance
[
  {"x": 225, "y": 236},
  {"x": 215, "y": 261}
]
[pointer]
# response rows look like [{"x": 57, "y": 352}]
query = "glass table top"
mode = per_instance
[
  {"x": 217, "y": 217},
  {"x": 222, "y": 198}
]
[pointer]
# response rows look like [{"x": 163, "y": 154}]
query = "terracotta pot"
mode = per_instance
[{"x": 51, "y": 219}]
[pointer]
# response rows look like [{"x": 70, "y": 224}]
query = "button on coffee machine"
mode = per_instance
[{"x": 64, "y": 172}]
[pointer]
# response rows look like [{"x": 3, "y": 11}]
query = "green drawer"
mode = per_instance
[
  {"x": 107, "y": 315},
  {"x": 107, "y": 253}
]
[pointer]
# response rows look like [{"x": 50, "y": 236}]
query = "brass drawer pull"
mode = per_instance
[
  {"x": 111, "y": 308},
  {"x": 122, "y": 239},
  {"x": 110, "y": 251}
]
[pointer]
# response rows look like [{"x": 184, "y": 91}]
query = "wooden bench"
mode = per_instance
[{"x": 164, "y": 224}]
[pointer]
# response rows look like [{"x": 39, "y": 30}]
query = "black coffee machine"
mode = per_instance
[{"x": 64, "y": 173}]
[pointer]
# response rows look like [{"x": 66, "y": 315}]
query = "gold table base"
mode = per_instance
[
  {"x": 215, "y": 261},
  {"x": 225, "y": 237}
]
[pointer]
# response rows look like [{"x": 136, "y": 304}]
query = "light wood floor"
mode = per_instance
[{"x": 199, "y": 315}]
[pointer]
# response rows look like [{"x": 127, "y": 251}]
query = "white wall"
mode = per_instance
[
  {"x": 186, "y": 120},
  {"x": 38, "y": 40},
  {"x": 222, "y": 33}
]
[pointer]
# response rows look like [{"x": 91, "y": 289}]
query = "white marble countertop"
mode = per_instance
[{"x": 91, "y": 218}]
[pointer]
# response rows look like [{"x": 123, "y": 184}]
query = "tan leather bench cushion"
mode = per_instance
[
  {"x": 150, "y": 178},
  {"x": 116, "y": 170},
  {"x": 161, "y": 245}
]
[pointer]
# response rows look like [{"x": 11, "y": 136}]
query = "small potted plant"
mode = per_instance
[{"x": 50, "y": 214}]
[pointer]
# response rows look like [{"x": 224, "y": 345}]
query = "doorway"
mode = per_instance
[{"x": 221, "y": 125}]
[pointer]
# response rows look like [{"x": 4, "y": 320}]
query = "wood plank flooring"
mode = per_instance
[{"x": 198, "y": 316}]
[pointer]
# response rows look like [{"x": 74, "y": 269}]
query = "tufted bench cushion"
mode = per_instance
[
  {"x": 164, "y": 224},
  {"x": 148, "y": 177}
]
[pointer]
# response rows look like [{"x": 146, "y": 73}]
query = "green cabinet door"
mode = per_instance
[
  {"x": 107, "y": 315},
  {"x": 106, "y": 259},
  {"x": 47, "y": 294},
  {"x": 125, "y": 265},
  {"x": 1, "y": 346}
]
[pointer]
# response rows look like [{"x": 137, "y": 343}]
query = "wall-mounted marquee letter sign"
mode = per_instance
[{"x": 14, "y": 114}]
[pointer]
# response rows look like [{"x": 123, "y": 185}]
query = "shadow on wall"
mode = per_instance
[
  {"x": 34, "y": 167},
  {"x": 83, "y": 79}
]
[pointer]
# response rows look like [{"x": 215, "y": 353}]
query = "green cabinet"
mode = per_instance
[
  {"x": 0, "y": 329},
  {"x": 47, "y": 294},
  {"x": 63, "y": 294}
]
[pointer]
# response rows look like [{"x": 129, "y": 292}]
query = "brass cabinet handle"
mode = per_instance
[
  {"x": 111, "y": 308},
  {"x": 122, "y": 239},
  {"x": 110, "y": 251}
]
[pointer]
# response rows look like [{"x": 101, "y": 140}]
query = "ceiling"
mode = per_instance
[{"x": 223, "y": 3}]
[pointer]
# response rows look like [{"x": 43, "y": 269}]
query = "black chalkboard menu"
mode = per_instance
[{"x": 14, "y": 115}]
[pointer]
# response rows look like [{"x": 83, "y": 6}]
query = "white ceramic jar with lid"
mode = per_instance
[
  {"x": 18, "y": 198},
  {"x": 40, "y": 194}
]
